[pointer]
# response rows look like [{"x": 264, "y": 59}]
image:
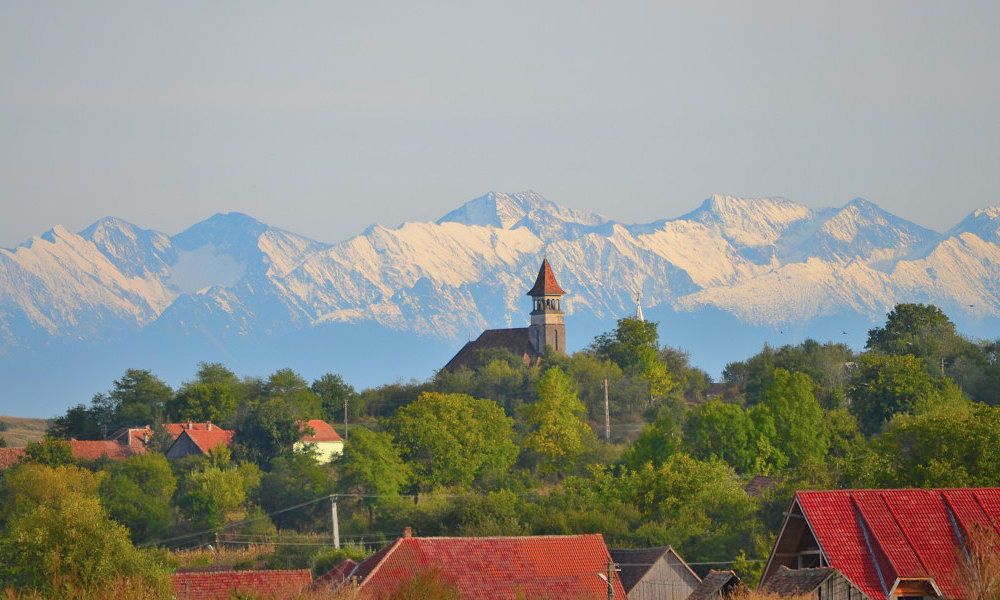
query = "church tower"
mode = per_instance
[{"x": 548, "y": 324}]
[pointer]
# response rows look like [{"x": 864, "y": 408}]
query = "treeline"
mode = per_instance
[{"x": 506, "y": 448}]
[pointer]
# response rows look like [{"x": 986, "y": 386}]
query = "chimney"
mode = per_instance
[
  {"x": 190, "y": 425},
  {"x": 209, "y": 424},
  {"x": 407, "y": 532}
]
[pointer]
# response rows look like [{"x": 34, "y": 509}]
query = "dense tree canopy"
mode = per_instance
[
  {"x": 57, "y": 536},
  {"x": 451, "y": 439},
  {"x": 137, "y": 493}
]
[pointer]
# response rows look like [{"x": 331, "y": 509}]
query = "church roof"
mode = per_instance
[
  {"x": 545, "y": 283},
  {"x": 516, "y": 340}
]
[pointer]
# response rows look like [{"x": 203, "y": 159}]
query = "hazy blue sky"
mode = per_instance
[{"x": 325, "y": 117}]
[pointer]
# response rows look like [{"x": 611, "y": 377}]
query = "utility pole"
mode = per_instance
[
  {"x": 607, "y": 414},
  {"x": 345, "y": 417},
  {"x": 611, "y": 575},
  {"x": 335, "y": 521}
]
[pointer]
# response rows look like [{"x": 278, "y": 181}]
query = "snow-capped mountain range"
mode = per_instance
[{"x": 231, "y": 287}]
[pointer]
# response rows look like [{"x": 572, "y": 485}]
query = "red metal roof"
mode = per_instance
[
  {"x": 545, "y": 283},
  {"x": 877, "y": 537},
  {"x": 496, "y": 568},
  {"x": 280, "y": 585},
  {"x": 207, "y": 439},
  {"x": 323, "y": 432}
]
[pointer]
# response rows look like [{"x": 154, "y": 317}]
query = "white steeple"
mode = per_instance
[{"x": 638, "y": 307}]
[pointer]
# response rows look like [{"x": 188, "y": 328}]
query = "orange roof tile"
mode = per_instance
[
  {"x": 207, "y": 439},
  {"x": 279, "y": 585},
  {"x": 95, "y": 449},
  {"x": 175, "y": 429},
  {"x": 323, "y": 432}
]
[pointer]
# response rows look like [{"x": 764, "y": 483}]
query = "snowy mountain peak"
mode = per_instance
[
  {"x": 749, "y": 221},
  {"x": 524, "y": 209},
  {"x": 984, "y": 222},
  {"x": 135, "y": 251}
]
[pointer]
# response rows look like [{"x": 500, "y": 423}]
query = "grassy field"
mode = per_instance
[{"x": 17, "y": 431}]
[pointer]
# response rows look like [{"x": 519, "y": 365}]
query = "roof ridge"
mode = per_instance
[{"x": 503, "y": 537}]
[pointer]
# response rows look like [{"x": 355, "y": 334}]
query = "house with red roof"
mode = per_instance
[
  {"x": 324, "y": 441},
  {"x": 199, "y": 441},
  {"x": 223, "y": 585},
  {"x": 96, "y": 449},
  {"x": 82, "y": 450},
  {"x": 886, "y": 543},
  {"x": 556, "y": 567}
]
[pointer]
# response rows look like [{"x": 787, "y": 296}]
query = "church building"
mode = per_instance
[{"x": 547, "y": 328}]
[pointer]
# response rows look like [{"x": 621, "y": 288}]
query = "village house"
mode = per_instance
[
  {"x": 883, "y": 544},
  {"x": 224, "y": 585},
  {"x": 82, "y": 450},
  {"x": 819, "y": 583},
  {"x": 555, "y": 567},
  {"x": 547, "y": 328},
  {"x": 325, "y": 442},
  {"x": 655, "y": 574},
  {"x": 718, "y": 585},
  {"x": 195, "y": 441}
]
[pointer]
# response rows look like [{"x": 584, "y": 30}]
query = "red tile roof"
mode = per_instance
[
  {"x": 878, "y": 537},
  {"x": 10, "y": 457},
  {"x": 545, "y": 283},
  {"x": 207, "y": 439},
  {"x": 323, "y": 432},
  {"x": 175, "y": 429},
  {"x": 279, "y": 585},
  {"x": 496, "y": 568},
  {"x": 95, "y": 449}
]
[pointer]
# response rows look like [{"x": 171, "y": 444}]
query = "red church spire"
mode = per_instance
[{"x": 545, "y": 283}]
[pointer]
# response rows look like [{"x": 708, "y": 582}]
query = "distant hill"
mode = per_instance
[
  {"x": 396, "y": 302},
  {"x": 19, "y": 431}
]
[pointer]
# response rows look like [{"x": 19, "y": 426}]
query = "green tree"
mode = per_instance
[
  {"x": 372, "y": 466},
  {"x": 697, "y": 506},
  {"x": 946, "y": 447},
  {"x": 291, "y": 387},
  {"x": 49, "y": 451},
  {"x": 658, "y": 441},
  {"x": 138, "y": 398},
  {"x": 884, "y": 385},
  {"x": 921, "y": 330},
  {"x": 293, "y": 480},
  {"x": 212, "y": 396},
  {"x": 212, "y": 496},
  {"x": 334, "y": 393},
  {"x": 557, "y": 434},
  {"x": 137, "y": 493},
  {"x": 269, "y": 429},
  {"x": 634, "y": 346},
  {"x": 793, "y": 413},
  {"x": 450, "y": 439},
  {"x": 58, "y": 539},
  {"x": 724, "y": 431}
]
